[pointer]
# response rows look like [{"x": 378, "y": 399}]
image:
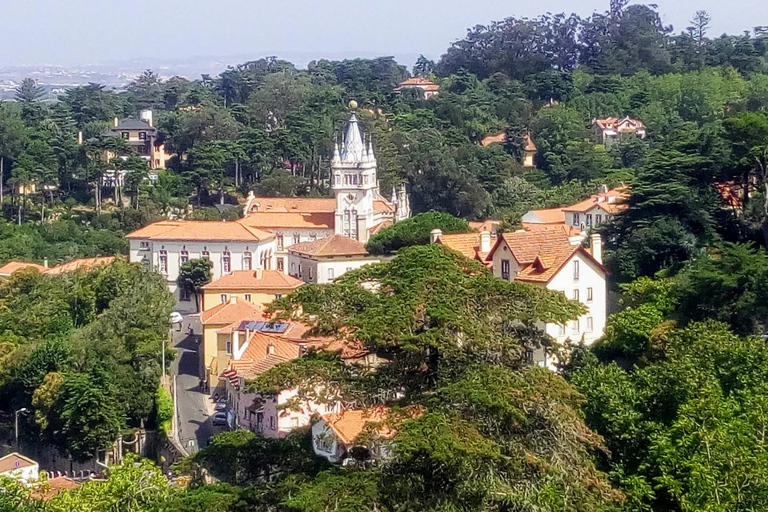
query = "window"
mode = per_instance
[
  {"x": 330, "y": 274},
  {"x": 280, "y": 264},
  {"x": 248, "y": 297},
  {"x": 294, "y": 422},
  {"x": 561, "y": 329},
  {"x": 184, "y": 257},
  {"x": 125, "y": 135},
  {"x": 247, "y": 260},
  {"x": 575, "y": 294},
  {"x": 309, "y": 270},
  {"x": 206, "y": 255},
  {"x": 223, "y": 297},
  {"x": 272, "y": 423},
  {"x": 576, "y": 219},
  {"x": 505, "y": 269},
  {"x": 299, "y": 269},
  {"x": 528, "y": 356},
  {"x": 145, "y": 263},
  {"x": 279, "y": 241},
  {"x": 589, "y": 219},
  {"x": 226, "y": 262},
  {"x": 184, "y": 295},
  {"x": 296, "y": 238},
  {"x": 143, "y": 245},
  {"x": 348, "y": 269},
  {"x": 293, "y": 269},
  {"x": 259, "y": 422},
  {"x": 574, "y": 327},
  {"x": 142, "y": 135},
  {"x": 589, "y": 294},
  {"x": 349, "y": 224},
  {"x": 313, "y": 237},
  {"x": 229, "y": 348},
  {"x": 598, "y": 219},
  {"x": 590, "y": 324},
  {"x": 576, "y": 270},
  {"x": 337, "y": 179},
  {"x": 164, "y": 262},
  {"x": 278, "y": 295}
]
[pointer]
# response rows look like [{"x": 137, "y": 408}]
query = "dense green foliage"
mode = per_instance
[
  {"x": 414, "y": 231},
  {"x": 82, "y": 350}
]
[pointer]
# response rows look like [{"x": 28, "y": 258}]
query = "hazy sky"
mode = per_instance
[{"x": 93, "y": 31}]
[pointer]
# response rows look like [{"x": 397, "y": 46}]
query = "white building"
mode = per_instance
[
  {"x": 164, "y": 246},
  {"x": 597, "y": 209},
  {"x": 612, "y": 130},
  {"x": 548, "y": 258},
  {"x": 324, "y": 260},
  {"x": 19, "y": 467},
  {"x": 335, "y": 434}
]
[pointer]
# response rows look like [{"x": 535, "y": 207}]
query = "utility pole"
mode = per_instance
[{"x": 20, "y": 411}]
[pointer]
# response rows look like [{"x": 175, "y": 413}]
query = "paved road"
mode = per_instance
[{"x": 195, "y": 424}]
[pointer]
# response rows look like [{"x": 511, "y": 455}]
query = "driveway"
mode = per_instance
[{"x": 194, "y": 407}]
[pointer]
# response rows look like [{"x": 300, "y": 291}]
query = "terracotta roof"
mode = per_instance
[
  {"x": 350, "y": 423},
  {"x": 612, "y": 201},
  {"x": 489, "y": 225},
  {"x": 568, "y": 230},
  {"x": 382, "y": 206},
  {"x": 293, "y": 204},
  {"x": 547, "y": 216},
  {"x": 276, "y": 219},
  {"x": 493, "y": 139},
  {"x": 234, "y": 310},
  {"x": 335, "y": 245},
  {"x": 378, "y": 227},
  {"x": 200, "y": 230},
  {"x": 624, "y": 124},
  {"x": 529, "y": 145},
  {"x": 467, "y": 244},
  {"x": 14, "y": 265},
  {"x": 255, "y": 279},
  {"x": 14, "y": 461},
  {"x": 86, "y": 264},
  {"x": 52, "y": 487},
  {"x": 346, "y": 348},
  {"x": 262, "y": 352},
  {"x": 422, "y": 83}
]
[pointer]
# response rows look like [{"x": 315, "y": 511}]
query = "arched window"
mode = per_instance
[
  {"x": 163, "y": 262},
  {"x": 247, "y": 260},
  {"x": 226, "y": 262}
]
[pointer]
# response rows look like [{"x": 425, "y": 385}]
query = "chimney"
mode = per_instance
[
  {"x": 259, "y": 274},
  {"x": 270, "y": 349},
  {"x": 434, "y": 235},
  {"x": 597, "y": 247},
  {"x": 79, "y": 138},
  {"x": 115, "y": 122},
  {"x": 236, "y": 344},
  {"x": 45, "y": 262},
  {"x": 233, "y": 299},
  {"x": 485, "y": 242}
]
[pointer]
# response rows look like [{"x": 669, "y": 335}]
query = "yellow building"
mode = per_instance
[
  {"x": 255, "y": 286},
  {"x": 214, "y": 354},
  {"x": 141, "y": 135}
]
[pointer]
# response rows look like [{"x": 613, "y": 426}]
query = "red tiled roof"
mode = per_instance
[
  {"x": 255, "y": 279},
  {"x": 276, "y": 219},
  {"x": 378, "y": 227},
  {"x": 200, "y": 230},
  {"x": 550, "y": 215},
  {"x": 489, "y": 225},
  {"x": 612, "y": 201},
  {"x": 234, "y": 310},
  {"x": 422, "y": 83},
  {"x": 335, "y": 245},
  {"x": 293, "y": 204},
  {"x": 14, "y": 265},
  {"x": 86, "y": 264},
  {"x": 468, "y": 244},
  {"x": 350, "y": 423},
  {"x": 493, "y": 139}
]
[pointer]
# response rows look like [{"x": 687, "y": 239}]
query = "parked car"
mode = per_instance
[
  {"x": 176, "y": 318},
  {"x": 219, "y": 419},
  {"x": 221, "y": 405}
]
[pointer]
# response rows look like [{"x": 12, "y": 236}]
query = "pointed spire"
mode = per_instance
[
  {"x": 336, "y": 156},
  {"x": 394, "y": 196},
  {"x": 352, "y": 150}
]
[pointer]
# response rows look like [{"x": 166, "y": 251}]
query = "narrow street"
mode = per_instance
[{"x": 195, "y": 427}]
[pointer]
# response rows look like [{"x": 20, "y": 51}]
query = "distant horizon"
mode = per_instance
[{"x": 82, "y": 33}]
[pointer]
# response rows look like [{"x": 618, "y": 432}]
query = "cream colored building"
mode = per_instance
[
  {"x": 550, "y": 259},
  {"x": 166, "y": 245},
  {"x": 326, "y": 259},
  {"x": 141, "y": 135},
  {"x": 258, "y": 287}
]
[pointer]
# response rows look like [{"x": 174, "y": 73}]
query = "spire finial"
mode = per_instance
[{"x": 353, "y": 105}]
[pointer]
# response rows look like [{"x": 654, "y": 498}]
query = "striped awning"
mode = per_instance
[{"x": 230, "y": 374}]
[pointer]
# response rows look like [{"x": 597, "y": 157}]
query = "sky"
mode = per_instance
[{"x": 78, "y": 32}]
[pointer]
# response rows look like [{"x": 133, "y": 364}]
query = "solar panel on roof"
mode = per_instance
[{"x": 273, "y": 327}]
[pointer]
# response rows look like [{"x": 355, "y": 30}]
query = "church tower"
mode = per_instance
[{"x": 354, "y": 182}]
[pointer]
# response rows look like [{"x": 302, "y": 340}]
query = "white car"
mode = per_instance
[{"x": 176, "y": 318}]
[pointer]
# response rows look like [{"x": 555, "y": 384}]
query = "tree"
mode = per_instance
[
  {"x": 193, "y": 274},
  {"x": 29, "y": 91},
  {"x": 414, "y": 231}
]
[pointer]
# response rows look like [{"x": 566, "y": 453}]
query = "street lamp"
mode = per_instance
[{"x": 20, "y": 411}]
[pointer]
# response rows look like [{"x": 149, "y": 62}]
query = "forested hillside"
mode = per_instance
[{"x": 667, "y": 412}]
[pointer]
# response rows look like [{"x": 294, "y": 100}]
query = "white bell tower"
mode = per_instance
[{"x": 353, "y": 170}]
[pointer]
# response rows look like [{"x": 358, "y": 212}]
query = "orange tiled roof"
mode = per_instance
[
  {"x": 612, "y": 201},
  {"x": 276, "y": 219},
  {"x": 14, "y": 265},
  {"x": 234, "y": 310},
  {"x": 493, "y": 139},
  {"x": 254, "y": 279},
  {"x": 568, "y": 230},
  {"x": 200, "y": 230},
  {"x": 419, "y": 82},
  {"x": 378, "y": 227},
  {"x": 549, "y": 215},
  {"x": 529, "y": 145},
  {"x": 489, "y": 225},
  {"x": 86, "y": 264},
  {"x": 383, "y": 206},
  {"x": 467, "y": 244},
  {"x": 350, "y": 423},
  {"x": 262, "y": 352},
  {"x": 293, "y": 204},
  {"x": 334, "y": 245}
]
